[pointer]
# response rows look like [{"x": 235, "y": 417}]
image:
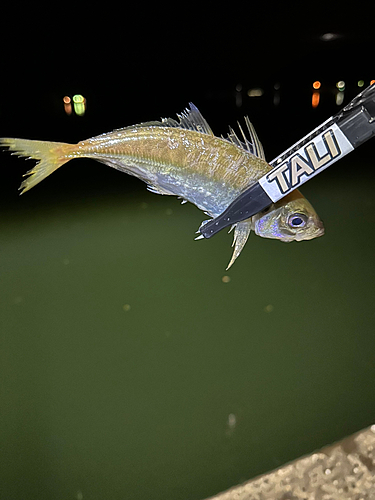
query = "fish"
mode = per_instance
[{"x": 184, "y": 158}]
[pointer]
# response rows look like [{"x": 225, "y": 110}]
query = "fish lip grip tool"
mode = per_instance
[{"x": 326, "y": 144}]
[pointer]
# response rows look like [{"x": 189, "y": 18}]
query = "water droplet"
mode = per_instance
[
  {"x": 232, "y": 420},
  {"x": 126, "y": 307},
  {"x": 269, "y": 308}
]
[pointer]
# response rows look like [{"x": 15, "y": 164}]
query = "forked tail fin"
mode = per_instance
[{"x": 51, "y": 156}]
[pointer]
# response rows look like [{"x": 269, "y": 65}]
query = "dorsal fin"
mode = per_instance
[
  {"x": 190, "y": 119},
  {"x": 257, "y": 145},
  {"x": 254, "y": 146},
  {"x": 232, "y": 137}
]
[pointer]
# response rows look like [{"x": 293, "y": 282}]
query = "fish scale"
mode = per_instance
[{"x": 182, "y": 158}]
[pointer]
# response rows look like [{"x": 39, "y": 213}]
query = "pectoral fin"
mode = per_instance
[{"x": 241, "y": 233}]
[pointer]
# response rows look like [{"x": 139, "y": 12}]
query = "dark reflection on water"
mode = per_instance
[{"x": 132, "y": 369}]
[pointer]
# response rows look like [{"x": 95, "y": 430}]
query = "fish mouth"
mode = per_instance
[{"x": 319, "y": 229}]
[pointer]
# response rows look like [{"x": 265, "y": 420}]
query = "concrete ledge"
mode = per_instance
[{"x": 343, "y": 471}]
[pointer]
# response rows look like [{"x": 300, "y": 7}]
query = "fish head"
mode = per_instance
[{"x": 290, "y": 219}]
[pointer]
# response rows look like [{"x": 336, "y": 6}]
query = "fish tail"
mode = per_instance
[{"x": 51, "y": 156}]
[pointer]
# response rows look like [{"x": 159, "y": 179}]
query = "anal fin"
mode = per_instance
[{"x": 241, "y": 234}]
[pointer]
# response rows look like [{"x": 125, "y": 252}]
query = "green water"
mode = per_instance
[{"x": 124, "y": 353}]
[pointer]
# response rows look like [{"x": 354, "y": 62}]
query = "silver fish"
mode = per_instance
[{"x": 184, "y": 158}]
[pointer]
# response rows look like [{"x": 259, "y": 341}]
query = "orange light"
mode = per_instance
[
  {"x": 67, "y": 105},
  {"x": 315, "y": 99},
  {"x": 372, "y": 82},
  {"x": 317, "y": 85}
]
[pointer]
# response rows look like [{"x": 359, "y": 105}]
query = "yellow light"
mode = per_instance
[
  {"x": 340, "y": 85},
  {"x": 255, "y": 92},
  {"x": 79, "y": 103},
  {"x": 317, "y": 85},
  {"x": 361, "y": 83},
  {"x": 339, "y": 97},
  {"x": 78, "y": 98}
]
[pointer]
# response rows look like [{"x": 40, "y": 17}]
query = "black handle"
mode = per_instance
[
  {"x": 247, "y": 204},
  {"x": 348, "y": 129}
]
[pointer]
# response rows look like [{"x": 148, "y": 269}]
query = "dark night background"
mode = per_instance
[
  {"x": 141, "y": 64},
  {"x": 125, "y": 352}
]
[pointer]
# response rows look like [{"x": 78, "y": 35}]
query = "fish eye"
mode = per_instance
[{"x": 297, "y": 220}]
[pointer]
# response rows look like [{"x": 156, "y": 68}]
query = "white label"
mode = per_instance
[{"x": 314, "y": 157}]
